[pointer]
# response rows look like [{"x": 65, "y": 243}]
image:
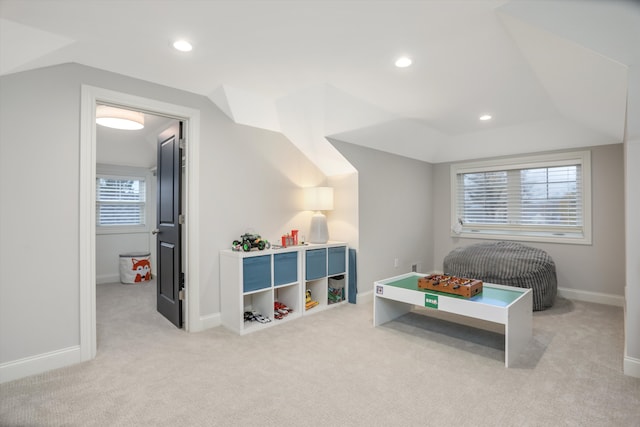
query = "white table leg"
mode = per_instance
[
  {"x": 518, "y": 328},
  {"x": 385, "y": 310}
]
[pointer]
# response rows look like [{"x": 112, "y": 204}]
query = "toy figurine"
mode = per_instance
[{"x": 309, "y": 303}]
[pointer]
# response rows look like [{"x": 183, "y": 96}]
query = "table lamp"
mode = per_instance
[{"x": 318, "y": 199}]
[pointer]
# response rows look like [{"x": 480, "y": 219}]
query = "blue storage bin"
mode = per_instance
[
  {"x": 337, "y": 258},
  {"x": 256, "y": 273},
  {"x": 285, "y": 268},
  {"x": 316, "y": 263}
]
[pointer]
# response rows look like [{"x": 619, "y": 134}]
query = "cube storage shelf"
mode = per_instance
[{"x": 253, "y": 281}]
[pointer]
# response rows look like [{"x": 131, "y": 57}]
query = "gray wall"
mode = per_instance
[
  {"x": 593, "y": 268},
  {"x": 395, "y": 213},
  {"x": 399, "y": 218},
  {"x": 249, "y": 179},
  {"x": 632, "y": 207}
]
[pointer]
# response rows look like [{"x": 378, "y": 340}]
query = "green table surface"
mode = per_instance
[{"x": 489, "y": 295}]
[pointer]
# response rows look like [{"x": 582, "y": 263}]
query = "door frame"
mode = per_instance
[{"x": 90, "y": 97}]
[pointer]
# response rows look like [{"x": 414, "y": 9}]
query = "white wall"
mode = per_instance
[
  {"x": 596, "y": 268},
  {"x": 394, "y": 213},
  {"x": 108, "y": 250},
  {"x": 39, "y": 143},
  {"x": 632, "y": 206},
  {"x": 249, "y": 178},
  {"x": 632, "y": 282},
  {"x": 343, "y": 220}
]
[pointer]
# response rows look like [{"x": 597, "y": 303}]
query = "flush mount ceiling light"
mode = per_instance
[
  {"x": 182, "y": 45},
  {"x": 403, "y": 62},
  {"x": 118, "y": 118},
  {"x": 485, "y": 117}
]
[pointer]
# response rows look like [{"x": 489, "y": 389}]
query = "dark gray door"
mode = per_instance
[{"x": 169, "y": 233}]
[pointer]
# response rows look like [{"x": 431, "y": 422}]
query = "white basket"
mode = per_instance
[{"x": 135, "y": 267}]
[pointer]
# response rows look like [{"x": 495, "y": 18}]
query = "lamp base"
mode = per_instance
[{"x": 319, "y": 232}]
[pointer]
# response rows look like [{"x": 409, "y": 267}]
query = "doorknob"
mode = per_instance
[{"x": 156, "y": 231}]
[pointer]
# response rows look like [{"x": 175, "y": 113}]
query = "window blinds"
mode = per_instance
[
  {"x": 538, "y": 198},
  {"x": 120, "y": 201}
]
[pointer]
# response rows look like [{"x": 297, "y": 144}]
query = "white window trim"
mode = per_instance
[
  {"x": 124, "y": 172},
  {"x": 541, "y": 160}
]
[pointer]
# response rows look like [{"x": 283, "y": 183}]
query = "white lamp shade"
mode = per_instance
[
  {"x": 318, "y": 198},
  {"x": 118, "y": 118}
]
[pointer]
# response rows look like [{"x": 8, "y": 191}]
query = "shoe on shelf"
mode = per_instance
[
  {"x": 254, "y": 315},
  {"x": 260, "y": 318},
  {"x": 281, "y": 308}
]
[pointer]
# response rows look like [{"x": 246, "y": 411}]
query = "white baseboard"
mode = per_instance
[
  {"x": 588, "y": 296},
  {"x": 210, "y": 321},
  {"x": 631, "y": 366},
  {"x": 364, "y": 297},
  {"x": 107, "y": 278},
  {"x": 40, "y": 363}
]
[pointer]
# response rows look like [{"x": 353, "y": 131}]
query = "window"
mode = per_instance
[
  {"x": 120, "y": 201},
  {"x": 537, "y": 198}
]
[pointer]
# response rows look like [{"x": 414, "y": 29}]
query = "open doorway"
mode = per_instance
[
  {"x": 91, "y": 97},
  {"x": 126, "y": 218}
]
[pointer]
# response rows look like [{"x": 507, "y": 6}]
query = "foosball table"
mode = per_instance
[{"x": 451, "y": 285}]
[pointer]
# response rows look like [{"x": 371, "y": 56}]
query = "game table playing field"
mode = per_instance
[{"x": 506, "y": 305}]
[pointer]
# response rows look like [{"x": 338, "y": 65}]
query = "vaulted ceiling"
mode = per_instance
[{"x": 553, "y": 75}]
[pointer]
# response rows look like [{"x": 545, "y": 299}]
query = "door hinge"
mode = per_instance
[
  {"x": 181, "y": 143},
  {"x": 181, "y": 284},
  {"x": 181, "y": 219}
]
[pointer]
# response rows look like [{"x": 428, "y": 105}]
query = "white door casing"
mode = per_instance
[{"x": 90, "y": 96}]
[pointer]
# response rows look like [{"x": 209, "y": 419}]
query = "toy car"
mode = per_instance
[{"x": 249, "y": 241}]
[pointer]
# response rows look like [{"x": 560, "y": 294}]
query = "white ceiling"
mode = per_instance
[{"x": 553, "y": 74}]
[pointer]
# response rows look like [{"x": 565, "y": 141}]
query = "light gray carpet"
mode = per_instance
[{"x": 333, "y": 369}]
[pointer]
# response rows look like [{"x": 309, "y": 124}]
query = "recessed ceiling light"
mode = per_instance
[
  {"x": 182, "y": 45},
  {"x": 403, "y": 62},
  {"x": 485, "y": 117}
]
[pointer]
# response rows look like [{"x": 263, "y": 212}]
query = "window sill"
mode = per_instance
[
  {"x": 530, "y": 236},
  {"x": 122, "y": 230}
]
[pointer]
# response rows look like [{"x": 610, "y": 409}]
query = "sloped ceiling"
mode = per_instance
[{"x": 553, "y": 75}]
